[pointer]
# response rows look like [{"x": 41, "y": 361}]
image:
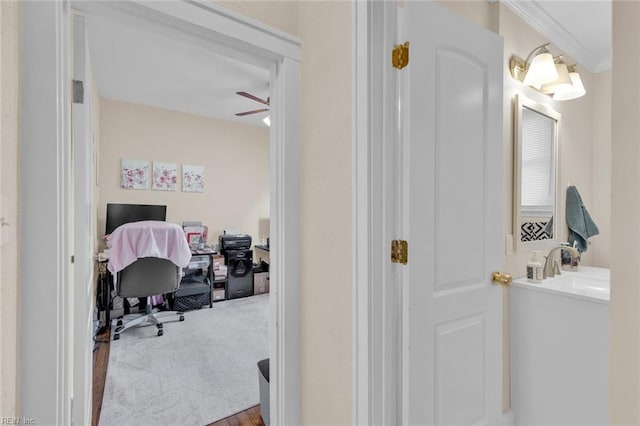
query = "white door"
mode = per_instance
[
  {"x": 451, "y": 191},
  {"x": 83, "y": 224}
]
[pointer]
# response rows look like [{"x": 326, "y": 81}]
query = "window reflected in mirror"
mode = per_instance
[{"x": 535, "y": 169}]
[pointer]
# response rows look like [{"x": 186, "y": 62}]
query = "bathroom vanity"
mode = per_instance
[{"x": 559, "y": 348}]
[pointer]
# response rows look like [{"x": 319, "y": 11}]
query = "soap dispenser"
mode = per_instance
[{"x": 534, "y": 268}]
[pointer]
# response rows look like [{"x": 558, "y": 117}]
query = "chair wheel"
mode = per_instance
[
  {"x": 116, "y": 337},
  {"x": 119, "y": 329},
  {"x": 119, "y": 322},
  {"x": 160, "y": 332},
  {"x": 181, "y": 317},
  {"x": 159, "y": 326}
]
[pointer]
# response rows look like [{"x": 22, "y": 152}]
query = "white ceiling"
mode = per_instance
[
  {"x": 579, "y": 28},
  {"x": 144, "y": 67}
]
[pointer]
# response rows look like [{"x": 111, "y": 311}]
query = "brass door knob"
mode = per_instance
[{"x": 500, "y": 278}]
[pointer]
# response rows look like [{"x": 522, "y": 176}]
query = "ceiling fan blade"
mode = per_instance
[
  {"x": 240, "y": 114},
  {"x": 255, "y": 98}
]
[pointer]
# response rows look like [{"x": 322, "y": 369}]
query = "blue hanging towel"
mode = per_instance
[{"x": 580, "y": 224}]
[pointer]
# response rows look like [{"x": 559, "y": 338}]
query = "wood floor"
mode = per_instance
[
  {"x": 100, "y": 361},
  {"x": 249, "y": 417}
]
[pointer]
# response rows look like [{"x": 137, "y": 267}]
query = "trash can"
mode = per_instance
[{"x": 263, "y": 378}]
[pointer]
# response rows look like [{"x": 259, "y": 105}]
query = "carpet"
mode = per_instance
[{"x": 201, "y": 370}]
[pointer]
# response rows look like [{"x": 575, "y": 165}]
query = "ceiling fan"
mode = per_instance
[{"x": 255, "y": 98}]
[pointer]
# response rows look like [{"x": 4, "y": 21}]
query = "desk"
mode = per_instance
[
  {"x": 103, "y": 297},
  {"x": 261, "y": 253}
]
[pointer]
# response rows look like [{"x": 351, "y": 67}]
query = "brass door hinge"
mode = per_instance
[
  {"x": 399, "y": 251},
  {"x": 400, "y": 55}
]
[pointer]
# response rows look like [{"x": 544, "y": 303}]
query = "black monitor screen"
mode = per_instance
[{"x": 119, "y": 214}]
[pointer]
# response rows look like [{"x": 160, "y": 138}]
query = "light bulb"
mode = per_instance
[
  {"x": 541, "y": 70},
  {"x": 574, "y": 91},
  {"x": 563, "y": 82}
]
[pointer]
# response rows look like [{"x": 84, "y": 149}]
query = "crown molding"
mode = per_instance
[{"x": 534, "y": 15}]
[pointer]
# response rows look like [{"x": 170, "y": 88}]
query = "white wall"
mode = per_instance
[
  {"x": 624, "y": 394},
  {"x": 235, "y": 157},
  {"x": 481, "y": 13},
  {"x": 601, "y": 168},
  {"x": 325, "y": 200},
  {"x": 10, "y": 312},
  {"x": 280, "y": 14},
  {"x": 95, "y": 123}
]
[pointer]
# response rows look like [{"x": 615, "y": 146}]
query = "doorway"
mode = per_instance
[
  {"x": 169, "y": 105},
  {"x": 48, "y": 367}
]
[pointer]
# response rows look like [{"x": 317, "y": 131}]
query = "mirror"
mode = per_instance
[{"x": 535, "y": 197}]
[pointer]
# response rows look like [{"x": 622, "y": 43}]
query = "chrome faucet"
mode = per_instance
[{"x": 551, "y": 267}]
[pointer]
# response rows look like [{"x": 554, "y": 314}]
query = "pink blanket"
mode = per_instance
[{"x": 147, "y": 238}]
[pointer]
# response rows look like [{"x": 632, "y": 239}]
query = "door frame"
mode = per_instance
[
  {"x": 82, "y": 197},
  {"x": 47, "y": 320},
  {"x": 376, "y": 347}
]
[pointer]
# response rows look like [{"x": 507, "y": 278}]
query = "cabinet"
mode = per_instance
[
  {"x": 103, "y": 296},
  {"x": 196, "y": 287}
]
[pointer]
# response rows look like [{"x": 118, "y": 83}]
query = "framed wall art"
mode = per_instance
[
  {"x": 165, "y": 176},
  {"x": 135, "y": 174},
  {"x": 192, "y": 178}
]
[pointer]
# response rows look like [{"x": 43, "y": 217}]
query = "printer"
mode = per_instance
[
  {"x": 238, "y": 257},
  {"x": 231, "y": 242}
]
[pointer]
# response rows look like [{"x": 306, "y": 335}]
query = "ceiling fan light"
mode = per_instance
[
  {"x": 563, "y": 82},
  {"x": 576, "y": 89},
  {"x": 541, "y": 70}
]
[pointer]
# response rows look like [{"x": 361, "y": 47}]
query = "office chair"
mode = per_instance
[
  {"x": 147, "y": 257},
  {"x": 146, "y": 277}
]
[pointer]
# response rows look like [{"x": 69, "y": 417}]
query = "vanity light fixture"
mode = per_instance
[{"x": 547, "y": 74}]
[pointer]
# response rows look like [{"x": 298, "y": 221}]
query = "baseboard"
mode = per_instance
[{"x": 508, "y": 418}]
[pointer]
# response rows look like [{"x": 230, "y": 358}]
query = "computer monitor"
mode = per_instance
[{"x": 119, "y": 214}]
